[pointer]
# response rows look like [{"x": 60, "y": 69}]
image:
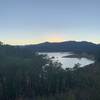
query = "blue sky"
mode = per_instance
[{"x": 35, "y": 21}]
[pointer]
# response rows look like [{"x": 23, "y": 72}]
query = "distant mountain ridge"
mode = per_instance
[{"x": 65, "y": 46}]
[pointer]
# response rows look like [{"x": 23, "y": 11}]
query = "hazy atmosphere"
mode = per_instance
[
  {"x": 35, "y": 21},
  {"x": 49, "y": 49}
]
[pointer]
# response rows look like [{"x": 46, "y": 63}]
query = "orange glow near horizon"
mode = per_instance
[
  {"x": 55, "y": 39},
  {"x": 47, "y": 38},
  {"x": 33, "y": 41}
]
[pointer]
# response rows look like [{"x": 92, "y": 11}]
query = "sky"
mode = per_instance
[{"x": 36, "y": 21}]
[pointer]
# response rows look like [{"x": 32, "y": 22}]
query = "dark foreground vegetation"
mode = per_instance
[{"x": 25, "y": 75}]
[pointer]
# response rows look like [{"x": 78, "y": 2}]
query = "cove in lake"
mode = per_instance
[{"x": 67, "y": 62}]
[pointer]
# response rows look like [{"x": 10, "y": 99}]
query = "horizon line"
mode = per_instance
[{"x": 49, "y": 42}]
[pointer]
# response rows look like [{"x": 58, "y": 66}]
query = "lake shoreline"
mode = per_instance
[
  {"x": 79, "y": 56},
  {"x": 69, "y": 59}
]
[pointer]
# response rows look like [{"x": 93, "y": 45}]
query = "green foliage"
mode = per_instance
[{"x": 27, "y": 75}]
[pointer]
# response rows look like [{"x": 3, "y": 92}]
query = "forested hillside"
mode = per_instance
[
  {"x": 25, "y": 75},
  {"x": 73, "y": 46}
]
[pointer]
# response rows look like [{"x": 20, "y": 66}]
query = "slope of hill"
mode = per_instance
[
  {"x": 25, "y": 75},
  {"x": 66, "y": 46}
]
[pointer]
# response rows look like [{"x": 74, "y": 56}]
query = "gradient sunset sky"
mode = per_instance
[{"x": 35, "y": 21}]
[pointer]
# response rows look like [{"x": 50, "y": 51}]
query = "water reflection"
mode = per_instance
[{"x": 67, "y": 62}]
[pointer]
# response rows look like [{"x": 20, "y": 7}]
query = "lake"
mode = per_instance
[{"x": 67, "y": 62}]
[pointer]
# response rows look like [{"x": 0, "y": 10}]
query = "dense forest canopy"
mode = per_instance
[{"x": 25, "y": 75}]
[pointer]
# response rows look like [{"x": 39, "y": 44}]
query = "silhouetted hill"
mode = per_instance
[{"x": 65, "y": 46}]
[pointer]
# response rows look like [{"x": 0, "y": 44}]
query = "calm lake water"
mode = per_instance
[{"x": 67, "y": 62}]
